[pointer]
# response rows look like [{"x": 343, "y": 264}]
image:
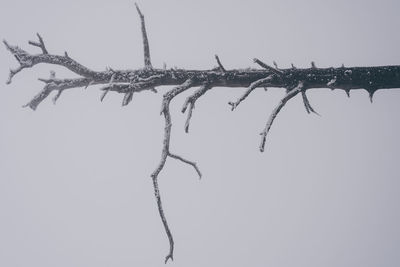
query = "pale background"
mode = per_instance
[{"x": 75, "y": 188}]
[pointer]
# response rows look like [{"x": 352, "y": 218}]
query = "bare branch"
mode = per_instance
[
  {"x": 191, "y": 100},
  {"x": 165, "y": 153},
  {"x": 128, "y": 82},
  {"x": 146, "y": 48},
  {"x": 275, "y": 112},
  {"x": 254, "y": 85},
  {"x": 27, "y": 60}
]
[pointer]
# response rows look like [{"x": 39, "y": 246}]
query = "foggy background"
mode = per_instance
[{"x": 75, "y": 186}]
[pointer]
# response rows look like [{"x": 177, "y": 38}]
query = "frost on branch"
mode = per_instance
[{"x": 129, "y": 82}]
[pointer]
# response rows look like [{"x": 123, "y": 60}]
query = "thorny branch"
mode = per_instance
[{"x": 128, "y": 82}]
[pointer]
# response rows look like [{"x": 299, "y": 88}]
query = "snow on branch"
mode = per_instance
[{"x": 128, "y": 82}]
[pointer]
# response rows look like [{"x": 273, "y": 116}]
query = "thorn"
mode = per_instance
[
  {"x": 89, "y": 84},
  {"x": 313, "y": 65},
  {"x": 276, "y": 65},
  {"x": 233, "y": 105},
  {"x": 66, "y": 54},
  {"x": 221, "y": 67},
  {"x": 371, "y": 95},
  {"x": 293, "y": 67},
  {"x": 55, "y": 98},
  {"x": 347, "y": 92},
  {"x": 103, "y": 95},
  {"x": 342, "y": 65},
  {"x": 164, "y": 66},
  {"x": 127, "y": 98}
]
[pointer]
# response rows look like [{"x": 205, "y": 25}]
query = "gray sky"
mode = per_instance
[{"x": 75, "y": 188}]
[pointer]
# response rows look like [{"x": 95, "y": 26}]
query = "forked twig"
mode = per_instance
[{"x": 190, "y": 102}]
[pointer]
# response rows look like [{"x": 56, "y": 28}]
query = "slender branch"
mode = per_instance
[
  {"x": 191, "y": 163},
  {"x": 276, "y": 111},
  {"x": 254, "y": 85},
  {"x": 165, "y": 153},
  {"x": 146, "y": 48}
]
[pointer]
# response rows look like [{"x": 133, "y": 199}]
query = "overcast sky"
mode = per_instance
[{"x": 75, "y": 187}]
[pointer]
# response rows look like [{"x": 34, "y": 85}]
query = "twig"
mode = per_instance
[
  {"x": 250, "y": 89},
  {"x": 57, "y": 96},
  {"x": 191, "y": 100},
  {"x": 40, "y": 44},
  {"x": 275, "y": 112},
  {"x": 307, "y": 104},
  {"x": 265, "y": 66},
  {"x": 165, "y": 153},
  {"x": 192, "y": 163}
]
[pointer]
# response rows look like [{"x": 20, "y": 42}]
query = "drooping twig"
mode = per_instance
[
  {"x": 254, "y": 85},
  {"x": 166, "y": 153},
  {"x": 275, "y": 112},
  {"x": 146, "y": 48},
  {"x": 190, "y": 102}
]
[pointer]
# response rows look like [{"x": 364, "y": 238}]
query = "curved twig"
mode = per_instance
[
  {"x": 254, "y": 85},
  {"x": 276, "y": 111},
  {"x": 191, "y": 100}
]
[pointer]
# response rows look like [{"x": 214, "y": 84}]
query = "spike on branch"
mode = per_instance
[
  {"x": 221, "y": 67},
  {"x": 146, "y": 47}
]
